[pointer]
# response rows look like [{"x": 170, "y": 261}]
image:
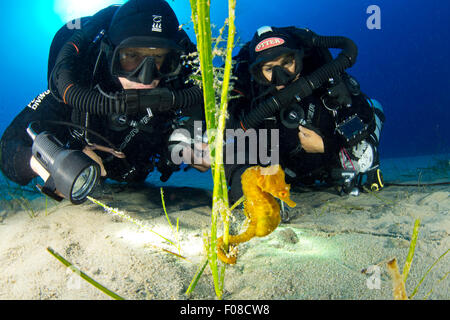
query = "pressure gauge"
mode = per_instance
[{"x": 364, "y": 152}]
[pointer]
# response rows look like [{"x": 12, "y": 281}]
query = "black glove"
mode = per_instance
[
  {"x": 157, "y": 100},
  {"x": 338, "y": 95}
]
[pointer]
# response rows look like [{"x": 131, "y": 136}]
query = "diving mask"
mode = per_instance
[
  {"x": 145, "y": 64},
  {"x": 280, "y": 75}
]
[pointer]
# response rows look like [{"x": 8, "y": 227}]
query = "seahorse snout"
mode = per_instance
[{"x": 287, "y": 199}]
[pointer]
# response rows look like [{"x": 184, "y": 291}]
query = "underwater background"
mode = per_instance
[
  {"x": 327, "y": 248},
  {"x": 404, "y": 65}
]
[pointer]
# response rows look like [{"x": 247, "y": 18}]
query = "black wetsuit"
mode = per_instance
[
  {"x": 142, "y": 139},
  {"x": 300, "y": 167}
]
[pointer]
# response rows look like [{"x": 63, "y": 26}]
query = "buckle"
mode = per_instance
[{"x": 131, "y": 100}]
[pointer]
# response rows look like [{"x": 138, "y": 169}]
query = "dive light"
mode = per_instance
[{"x": 72, "y": 172}]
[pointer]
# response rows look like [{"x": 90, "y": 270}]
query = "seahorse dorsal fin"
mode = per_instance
[{"x": 270, "y": 171}]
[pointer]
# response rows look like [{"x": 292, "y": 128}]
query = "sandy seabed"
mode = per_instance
[{"x": 319, "y": 254}]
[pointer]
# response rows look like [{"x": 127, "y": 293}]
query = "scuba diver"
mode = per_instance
[
  {"x": 329, "y": 130},
  {"x": 118, "y": 87}
]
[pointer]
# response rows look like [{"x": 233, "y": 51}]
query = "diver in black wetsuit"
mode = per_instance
[
  {"x": 117, "y": 89},
  {"x": 328, "y": 129}
]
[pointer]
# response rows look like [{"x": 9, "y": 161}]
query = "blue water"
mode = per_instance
[{"x": 404, "y": 65}]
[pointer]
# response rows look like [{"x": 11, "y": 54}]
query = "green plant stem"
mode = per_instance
[
  {"x": 431, "y": 291},
  {"x": 84, "y": 276},
  {"x": 202, "y": 25},
  {"x": 164, "y": 208},
  {"x": 223, "y": 114},
  {"x": 170, "y": 223},
  {"x": 116, "y": 212},
  {"x": 138, "y": 223},
  {"x": 426, "y": 273},
  {"x": 412, "y": 248},
  {"x": 26, "y": 206},
  {"x": 196, "y": 278},
  {"x": 242, "y": 199},
  {"x": 215, "y": 120}
]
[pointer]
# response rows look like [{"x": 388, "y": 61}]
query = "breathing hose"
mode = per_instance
[
  {"x": 305, "y": 86},
  {"x": 98, "y": 103}
]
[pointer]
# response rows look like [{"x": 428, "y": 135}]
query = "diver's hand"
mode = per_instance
[
  {"x": 340, "y": 95},
  {"x": 201, "y": 159},
  {"x": 311, "y": 142},
  {"x": 91, "y": 154},
  {"x": 157, "y": 100}
]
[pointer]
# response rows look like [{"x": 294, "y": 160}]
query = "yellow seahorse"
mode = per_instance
[{"x": 260, "y": 186}]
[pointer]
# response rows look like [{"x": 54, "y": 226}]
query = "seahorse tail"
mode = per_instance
[
  {"x": 231, "y": 257},
  {"x": 223, "y": 256}
]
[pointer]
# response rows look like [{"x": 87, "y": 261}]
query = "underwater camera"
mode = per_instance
[{"x": 72, "y": 172}]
